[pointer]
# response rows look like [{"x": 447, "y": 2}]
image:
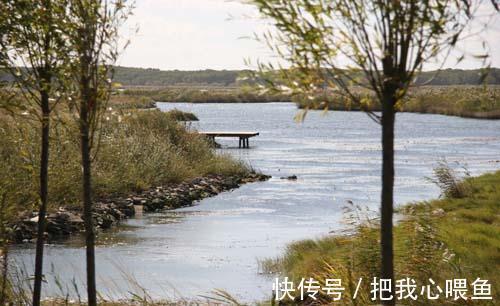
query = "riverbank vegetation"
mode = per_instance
[
  {"x": 206, "y": 95},
  {"x": 178, "y": 115},
  {"x": 464, "y": 101},
  {"x": 138, "y": 150},
  {"x": 123, "y": 101},
  {"x": 455, "y": 237}
]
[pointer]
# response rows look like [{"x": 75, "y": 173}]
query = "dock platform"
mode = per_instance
[{"x": 243, "y": 136}]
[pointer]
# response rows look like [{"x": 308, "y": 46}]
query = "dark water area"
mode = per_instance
[{"x": 218, "y": 242}]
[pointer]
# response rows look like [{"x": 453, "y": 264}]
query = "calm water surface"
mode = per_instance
[{"x": 218, "y": 242}]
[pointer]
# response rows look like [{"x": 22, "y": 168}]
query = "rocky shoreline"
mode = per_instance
[{"x": 108, "y": 212}]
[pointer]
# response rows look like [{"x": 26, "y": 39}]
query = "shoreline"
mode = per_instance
[
  {"x": 457, "y": 230},
  {"x": 108, "y": 212},
  {"x": 485, "y": 115}
]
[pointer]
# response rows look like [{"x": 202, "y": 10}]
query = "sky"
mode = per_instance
[{"x": 216, "y": 34}]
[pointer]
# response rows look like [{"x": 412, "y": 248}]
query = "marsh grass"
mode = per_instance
[
  {"x": 451, "y": 183},
  {"x": 464, "y": 101},
  {"x": 199, "y": 94},
  {"x": 456, "y": 100},
  {"x": 462, "y": 242},
  {"x": 137, "y": 150},
  {"x": 124, "y": 101},
  {"x": 178, "y": 115}
]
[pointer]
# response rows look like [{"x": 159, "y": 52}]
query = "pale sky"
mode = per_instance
[{"x": 214, "y": 34}]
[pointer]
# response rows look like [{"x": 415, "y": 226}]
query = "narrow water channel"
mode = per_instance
[{"x": 218, "y": 242}]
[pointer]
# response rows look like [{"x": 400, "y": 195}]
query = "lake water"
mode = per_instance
[{"x": 218, "y": 242}]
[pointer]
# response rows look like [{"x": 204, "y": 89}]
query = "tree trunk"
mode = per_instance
[
  {"x": 42, "y": 211},
  {"x": 388, "y": 120},
  {"x": 87, "y": 204},
  {"x": 5, "y": 265}
]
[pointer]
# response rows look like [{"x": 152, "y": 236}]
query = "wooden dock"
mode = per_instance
[{"x": 243, "y": 136}]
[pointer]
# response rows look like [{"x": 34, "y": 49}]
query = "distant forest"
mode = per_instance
[
  {"x": 229, "y": 78},
  {"x": 156, "y": 77}
]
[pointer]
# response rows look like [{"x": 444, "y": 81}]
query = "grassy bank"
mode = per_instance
[
  {"x": 464, "y": 101},
  {"x": 460, "y": 100},
  {"x": 137, "y": 150},
  {"x": 206, "y": 95},
  {"x": 457, "y": 236}
]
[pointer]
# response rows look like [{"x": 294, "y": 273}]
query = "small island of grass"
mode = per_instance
[{"x": 179, "y": 115}]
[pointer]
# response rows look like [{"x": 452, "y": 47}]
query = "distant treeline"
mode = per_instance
[
  {"x": 155, "y": 77},
  {"x": 230, "y": 78}
]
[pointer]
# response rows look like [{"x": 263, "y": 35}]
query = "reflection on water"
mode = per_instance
[{"x": 336, "y": 157}]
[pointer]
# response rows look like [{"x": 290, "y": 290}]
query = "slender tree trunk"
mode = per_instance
[
  {"x": 85, "y": 105},
  {"x": 3, "y": 252},
  {"x": 5, "y": 263},
  {"x": 44, "y": 166},
  {"x": 87, "y": 204},
  {"x": 388, "y": 120}
]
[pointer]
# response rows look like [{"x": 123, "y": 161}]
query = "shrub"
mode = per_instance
[
  {"x": 179, "y": 115},
  {"x": 451, "y": 185}
]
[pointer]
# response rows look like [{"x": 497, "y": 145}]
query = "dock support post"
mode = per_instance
[{"x": 239, "y": 144}]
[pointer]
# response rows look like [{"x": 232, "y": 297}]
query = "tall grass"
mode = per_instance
[
  {"x": 451, "y": 184},
  {"x": 207, "y": 95},
  {"x": 456, "y": 100},
  {"x": 464, "y": 101},
  {"x": 137, "y": 150},
  {"x": 454, "y": 237},
  {"x": 124, "y": 101}
]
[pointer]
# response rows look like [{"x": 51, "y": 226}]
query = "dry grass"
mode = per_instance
[
  {"x": 465, "y": 101},
  {"x": 452, "y": 185},
  {"x": 206, "y": 95},
  {"x": 137, "y": 150},
  {"x": 124, "y": 101}
]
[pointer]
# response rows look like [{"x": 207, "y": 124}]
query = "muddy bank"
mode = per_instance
[{"x": 108, "y": 212}]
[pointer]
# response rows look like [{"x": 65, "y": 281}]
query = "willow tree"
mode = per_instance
[
  {"x": 341, "y": 45},
  {"x": 33, "y": 52},
  {"x": 92, "y": 35}
]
